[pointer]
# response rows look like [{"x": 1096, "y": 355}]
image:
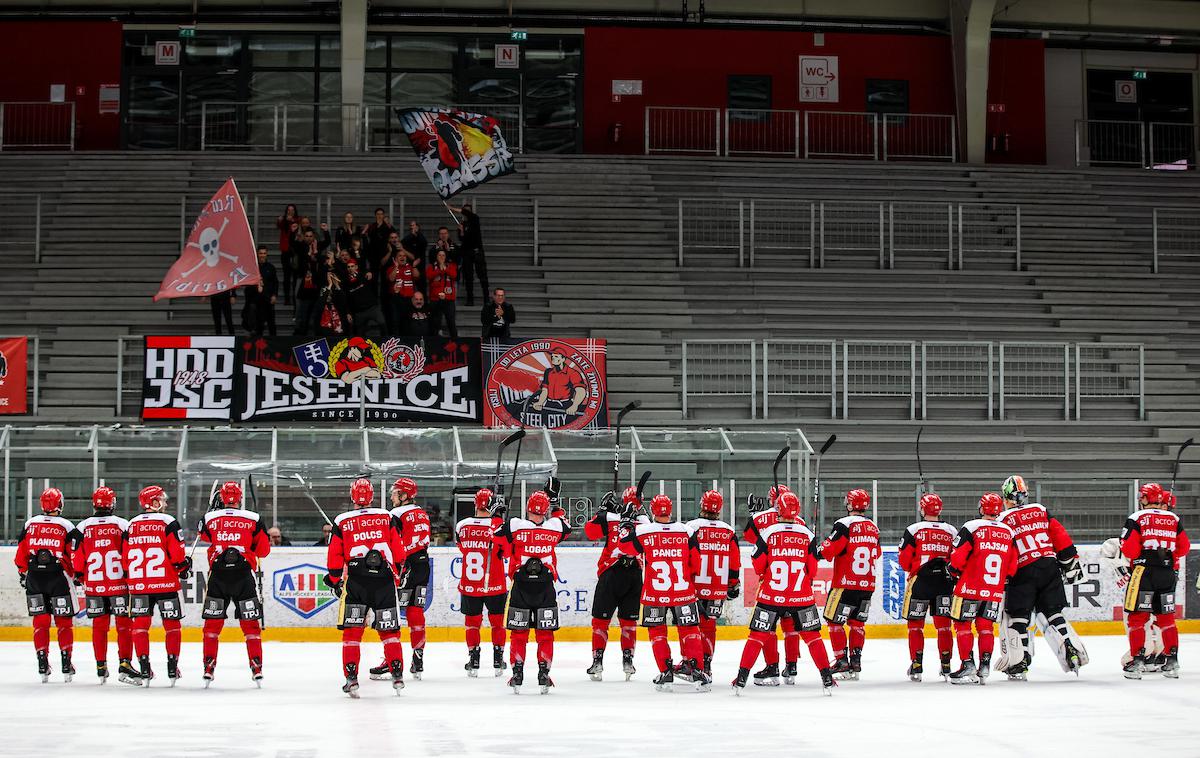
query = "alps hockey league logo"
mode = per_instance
[{"x": 300, "y": 589}]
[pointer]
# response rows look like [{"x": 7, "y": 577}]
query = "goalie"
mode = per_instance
[{"x": 1046, "y": 557}]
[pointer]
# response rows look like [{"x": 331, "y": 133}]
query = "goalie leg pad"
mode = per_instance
[
  {"x": 1011, "y": 648},
  {"x": 1055, "y": 640}
]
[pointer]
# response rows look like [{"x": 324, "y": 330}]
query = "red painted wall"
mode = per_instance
[
  {"x": 1017, "y": 79},
  {"x": 34, "y": 55}
]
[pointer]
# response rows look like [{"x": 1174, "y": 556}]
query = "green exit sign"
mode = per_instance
[
  {"x": 187, "y": 32},
  {"x": 518, "y": 35},
  {"x": 1139, "y": 74}
]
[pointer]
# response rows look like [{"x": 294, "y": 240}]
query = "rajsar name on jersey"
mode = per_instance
[
  {"x": 998, "y": 547},
  {"x": 271, "y": 392}
]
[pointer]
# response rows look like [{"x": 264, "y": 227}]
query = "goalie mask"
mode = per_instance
[{"x": 1014, "y": 490}]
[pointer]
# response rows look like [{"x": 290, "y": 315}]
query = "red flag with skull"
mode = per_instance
[{"x": 219, "y": 255}]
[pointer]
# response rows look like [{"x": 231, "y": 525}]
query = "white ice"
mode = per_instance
[{"x": 302, "y": 713}]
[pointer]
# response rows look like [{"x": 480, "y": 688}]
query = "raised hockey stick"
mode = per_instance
[
  {"x": 516, "y": 436},
  {"x": 775, "y": 468},
  {"x": 512, "y": 483},
  {"x": 1175, "y": 473},
  {"x": 633, "y": 406},
  {"x": 309, "y": 495},
  {"x": 258, "y": 573},
  {"x": 817, "y": 473},
  {"x": 920, "y": 469},
  {"x": 212, "y": 501},
  {"x": 641, "y": 485}
]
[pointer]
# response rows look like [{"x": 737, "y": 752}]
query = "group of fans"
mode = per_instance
[{"x": 1008, "y": 565}]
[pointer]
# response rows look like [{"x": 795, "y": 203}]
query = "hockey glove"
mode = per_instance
[
  {"x": 335, "y": 585},
  {"x": 735, "y": 589},
  {"x": 22, "y": 579},
  {"x": 1071, "y": 570},
  {"x": 497, "y": 506},
  {"x": 609, "y": 502},
  {"x": 184, "y": 568},
  {"x": 552, "y": 488},
  {"x": 78, "y": 580}
]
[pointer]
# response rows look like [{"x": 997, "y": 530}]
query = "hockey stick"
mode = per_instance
[
  {"x": 817, "y": 473},
  {"x": 920, "y": 469},
  {"x": 212, "y": 497},
  {"x": 633, "y": 406},
  {"x": 308, "y": 493},
  {"x": 258, "y": 573},
  {"x": 516, "y": 436},
  {"x": 512, "y": 484},
  {"x": 775, "y": 468},
  {"x": 641, "y": 485},
  {"x": 1175, "y": 473}
]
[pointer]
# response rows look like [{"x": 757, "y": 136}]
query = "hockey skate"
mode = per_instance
[
  {"x": 544, "y": 680},
  {"x": 915, "y": 669},
  {"x": 1134, "y": 669},
  {"x": 396, "y": 670},
  {"x": 789, "y": 673},
  {"x": 694, "y": 673},
  {"x": 43, "y": 666},
  {"x": 102, "y": 671},
  {"x": 498, "y": 662},
  {"x": 739, "y": 681},
  {"x": 380, "y": 673},
  {"x": 841, "y": 668},
  {"x": 767, "y": 676},
  {"x": 518, "y": 677},
  {"x": 417, "y": 666},
  {"x": 1170, "y": 664},
  {"x": 173, "y": 672},
  {"x": 707, "y": 665},
  {"x": 682, "y": 672},
  {"x": 1071, "y": 656},
  {"x": 351, "y": 685},
  {"x": 472, "y": 665},
  {"x": 627, "y": 664},
  {"x": 127, "y": 674},
  {"x": 945, "y": 661},
  {"x": 827, "y": 681},
  {"x": 1018, "y": 672},
  {"x": 256, "y": 671},
  {"x": 853, "y": 666},
  {"x": 596, "y": 670},
  {"x": 665, "y": 681},
  {"x": 67, "y": 668},
  {"x": 965, "y": 674},
  {"x": 210, "y": 668},
  {"x": 147, "y": 672},
  {"x": 985, "y": 667}
]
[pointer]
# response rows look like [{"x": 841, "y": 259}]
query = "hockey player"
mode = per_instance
[
  {"x": 853, "y": 547},
  {"x": 482, "y": 583},
  {"x": 43, "y": 560},
  {"x": 668, "y": 591},
  {"x": 1046, "y": 557},
  {"x": 237, "y": 543},
  {"x": 619, "y": 582},
  {"x": 413, "y": 580},
  {"x": 784, "y": 558},
  {"x": 925, "y": 556},
  {"x": 96, "y": 547},
  {"x": 533, "y": 568},
  {"x": 769, "y": 674},
  {"x": 363, "y": 562},
  {"x": 1154, "y": 542},
  {"x": 155, "y": 564},
  {"x": 719, "y": 568},
  {"x": 984, "y": 558}
]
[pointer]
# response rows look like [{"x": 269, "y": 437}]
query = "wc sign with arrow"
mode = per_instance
[{"x": 818, "y": 79}]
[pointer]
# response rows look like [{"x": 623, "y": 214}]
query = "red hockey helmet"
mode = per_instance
[
  {"x": 483, "y": 499},
  {"x": 362, "y": 492},
  {"x": 660, "y": 506},
  {"x": 789, "y": 506},
  {"x": 858, "y": 500},
  {"x": 1169, "y": 501},
  {"x": 152, "y": 497},
  {"x": 630, "y": 496},
  {"x": 773, "y": 494},
  {"x": 712, "y": 502},
  {"x": 538, "y": 504},
  {"x": 405, "y": 486},
  {"x": 52, "y": 500},
  {"x": 930, "y": 505},
  {"x": 103, "y": 499},
  {"x": 231, "y": 493},
  {"x": 1151, "y": 493},
  {"x": 991, "y": 504}
]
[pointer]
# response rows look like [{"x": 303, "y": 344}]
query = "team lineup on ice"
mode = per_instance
[{"x": 1007, "y": 567}]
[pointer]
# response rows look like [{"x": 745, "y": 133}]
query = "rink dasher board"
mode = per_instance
[{"x": 296, "y": 598}]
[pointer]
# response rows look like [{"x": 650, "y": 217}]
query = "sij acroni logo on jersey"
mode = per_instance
[{"x": 300, "y": 589}]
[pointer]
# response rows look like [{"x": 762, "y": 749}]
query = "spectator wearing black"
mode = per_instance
[
  {"x": 362, "y": 298},
  {"x": 443, "y": 242},
  {"x": 497, "y": 315},
  {"x": 342, "y": 235},
  {"x": 326, "y": 535},
  {"x": 311, "y": 280},
  {"x": 289, "y": 229},
  {"x": 275, "y": 534},
  {"x": 471, "y": 258},
  {"x": 417, "y": 320},
  {"x": 442, "y": 276},
  {"x": 258, "y": 314},
  {"x": 415, "y": 242},
  {"x": 222, "y": 307},
  {"x": 376, "y": 234}
]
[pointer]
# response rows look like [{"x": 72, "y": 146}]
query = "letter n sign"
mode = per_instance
[{"x": 508, "y": 56}]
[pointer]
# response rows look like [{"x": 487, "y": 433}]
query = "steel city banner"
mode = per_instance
[
  {"x": 546, "y": 383},
  {"x": 14, "y": 380},
  {"x": 458, "y": 150},
  {"x": 219, "y": 254}
]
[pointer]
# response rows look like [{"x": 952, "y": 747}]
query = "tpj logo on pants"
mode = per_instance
[{"x": 300, "y": 589}]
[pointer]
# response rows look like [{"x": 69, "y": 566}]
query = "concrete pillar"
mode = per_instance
[
  {"x": 354, "y": 55},
  {"x": 971, "y": 27}
]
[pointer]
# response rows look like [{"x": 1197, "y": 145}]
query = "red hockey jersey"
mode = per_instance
[
  {"x": 415, "y": 529},
  {"x": 1038, "y": 534},
  {"x": 522, "y": 539},
  {"x": 483, "y": 568},
  {"x": 669, "y": 559},
  {"x": 97, "y": 550},
  {"x": 235, "y": 528},
  {"x": 357, "y": 532},
  {"x": 923, "y": 542},
  {"x": 853, "y": 546},
  {"x": 153, "y": 549},
  {"x": 43, "y": 532},
  {"x": 986, "y": 556},
  {"x": 718, "y": 558},
  {"x": 604, "y": 526},
  {"x": 785, "y": 563},
  {"x": 1154, "y": 537}
]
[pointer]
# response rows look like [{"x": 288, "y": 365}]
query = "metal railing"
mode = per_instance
[
  {"x": 879, "y": 368},
  {"x": 21, "y": 223},
  {"x": 920, "y": 229},
  {"x": 280, "y": 126},
  {"x": 711, "y": 224},
  {"x": 1110, "y": 370},
  {"x": 33, "y": 370},
  {"x": 131, "y": 360},
  {"x": 1176, "y": 233},
  {"x": 841, "y": 134},
  {"x": 787, "y": 226},
  {"x": 961, "y": 368},
  {"x": 762, "y": 132},
  {"x": 989, "y": 230},
  {"x": 919, "y": 136},
  {"x": 725, "y": 368},
  {"x": 1035, "y": 370},
  {"x": 801, "y": 368},
  {"x": 853, "y": 228},
  {"x": 682, "y": 130},
  {"x": 1110, "y": 143},
  {"x": 1172, "y": 147},
  {"x": 37, "y": 125}
]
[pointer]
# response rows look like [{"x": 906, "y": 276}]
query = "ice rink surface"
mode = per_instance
[{"x": 302, "y": 713}]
